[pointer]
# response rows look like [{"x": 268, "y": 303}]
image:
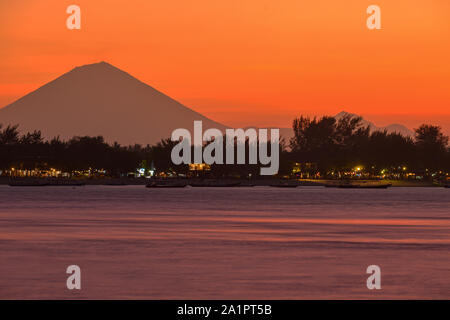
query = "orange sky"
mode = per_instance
[{"x": 246, "y": 62}]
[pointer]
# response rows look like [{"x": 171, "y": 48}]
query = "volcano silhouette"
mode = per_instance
[{"x": 100, "y": 99}]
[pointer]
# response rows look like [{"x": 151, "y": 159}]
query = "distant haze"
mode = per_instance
[
  {"x": 395, "y": 127},
  {"x": 288, "y": 133}
]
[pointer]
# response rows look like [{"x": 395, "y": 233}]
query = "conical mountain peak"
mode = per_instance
[
  {"x": 102, "y": 65},
  {"x": 100, "y": 99}
]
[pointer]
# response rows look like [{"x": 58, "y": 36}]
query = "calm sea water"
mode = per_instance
[{"x": 224, "y": 243}]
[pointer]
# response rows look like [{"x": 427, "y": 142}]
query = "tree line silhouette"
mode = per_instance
[
  {"x": 340, "y": 145},
  {"x": 322, "y": 147}
]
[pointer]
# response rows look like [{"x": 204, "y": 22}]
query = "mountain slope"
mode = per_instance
[
  {"x": 99, "y": 99},
  {"x": 390, "y": 128},
  {"x": 288, "y": 133}
]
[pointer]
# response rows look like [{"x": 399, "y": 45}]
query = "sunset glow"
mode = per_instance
[{"x": 246, "y": 62}]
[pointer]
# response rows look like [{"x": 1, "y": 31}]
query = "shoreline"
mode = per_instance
[{"x": 253, "y": 182}]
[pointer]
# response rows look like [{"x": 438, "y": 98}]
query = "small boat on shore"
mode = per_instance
[
  {"x": 214, "y": 184},
  {"x": 66, "y": 183},
  {"x": 45, "y": 183},
  {"x": 358, "y": 185},
  {"x": 165, "y": 185},
  {"x": 32, "y": 183},
  {"x": 285, "y": 185},
  {"x": 365, "y": 186}
]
